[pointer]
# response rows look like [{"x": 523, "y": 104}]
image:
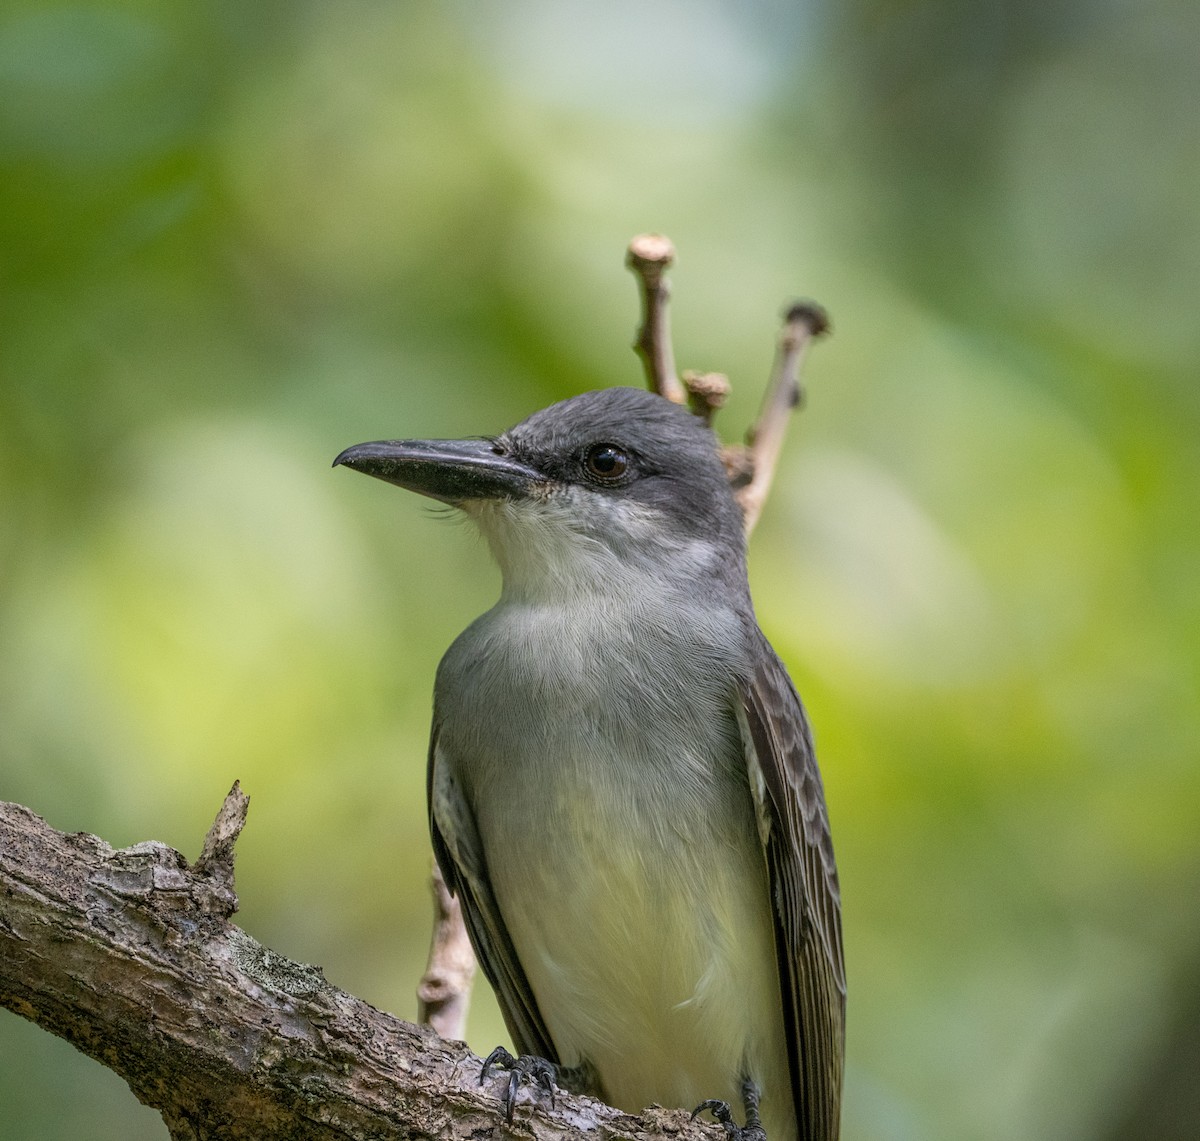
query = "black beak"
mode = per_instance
[{"x": 453, "y": 471}]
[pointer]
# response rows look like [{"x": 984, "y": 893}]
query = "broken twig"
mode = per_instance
[{"x": 707, "y": 393}]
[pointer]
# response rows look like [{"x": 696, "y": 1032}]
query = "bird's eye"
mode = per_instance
[{"x": 606, "y": 462}]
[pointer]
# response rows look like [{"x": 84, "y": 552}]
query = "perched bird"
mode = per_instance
[{"x": 622, "y": 787}]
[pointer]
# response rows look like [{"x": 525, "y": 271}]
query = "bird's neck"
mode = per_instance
[{"x": 548, "y": 557}]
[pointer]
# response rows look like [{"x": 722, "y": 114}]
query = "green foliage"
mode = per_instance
[{"x": 237, "y": 238}]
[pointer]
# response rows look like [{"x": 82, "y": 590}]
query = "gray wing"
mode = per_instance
[
  {"x": 804, "y": 889},
  {"x": 459, "y": 854}
]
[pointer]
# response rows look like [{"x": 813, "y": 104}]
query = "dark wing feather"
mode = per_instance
[
  {"x": 459, "y": 854},
  {"x": 804, "y": 889}
]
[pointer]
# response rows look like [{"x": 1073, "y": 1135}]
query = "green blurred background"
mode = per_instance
[{"x": 237, "y": 237}]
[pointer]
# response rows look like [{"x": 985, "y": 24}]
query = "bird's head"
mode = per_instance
[{"x": 607, "y": 487}]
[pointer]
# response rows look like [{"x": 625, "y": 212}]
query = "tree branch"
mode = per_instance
[{"x": 130, "y": 956}]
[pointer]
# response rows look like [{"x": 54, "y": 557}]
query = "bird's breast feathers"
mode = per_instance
[{"x": 604, "y": 770}]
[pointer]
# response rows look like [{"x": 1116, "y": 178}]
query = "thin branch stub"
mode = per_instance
[
  {"x": 707, "y": 392},
  {"x": 226, "y": 828},
  {"x": 214, "y": 866}
]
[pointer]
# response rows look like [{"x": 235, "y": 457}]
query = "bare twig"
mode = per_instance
[
  {"x": 803, "y": 321},
  {"x": 649, "y": 256},
  {"x": 445, "y": 989}
]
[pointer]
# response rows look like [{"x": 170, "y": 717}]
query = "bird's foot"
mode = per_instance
[
  {"x": 752, "y": 1130},
  {"x": 528, "y": 1069}
]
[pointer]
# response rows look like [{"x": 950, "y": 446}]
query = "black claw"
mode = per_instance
[
  {"x": 751, "y": 1131},
  {"x": 498, "y": 1057},
  {"x": 525, "y": 1070},
  {"x": 545, "y": 1078},
  {"x": 720, "y": 1110},
  {"x": 510, "y": 1098}
]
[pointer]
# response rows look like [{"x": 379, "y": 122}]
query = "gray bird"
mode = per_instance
[{"x": 622, "y": 787}]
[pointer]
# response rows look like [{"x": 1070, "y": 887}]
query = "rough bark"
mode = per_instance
[{"x": 131, "y": 957}]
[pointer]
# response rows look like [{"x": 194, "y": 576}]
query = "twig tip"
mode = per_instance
[
  {"x": 707, "y": 392},
  {"x": 808, "y": 313},
  {"x": 650, "y": 249}
]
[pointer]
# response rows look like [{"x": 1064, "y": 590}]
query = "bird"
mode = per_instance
[{"x": 623, "y": 790}]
